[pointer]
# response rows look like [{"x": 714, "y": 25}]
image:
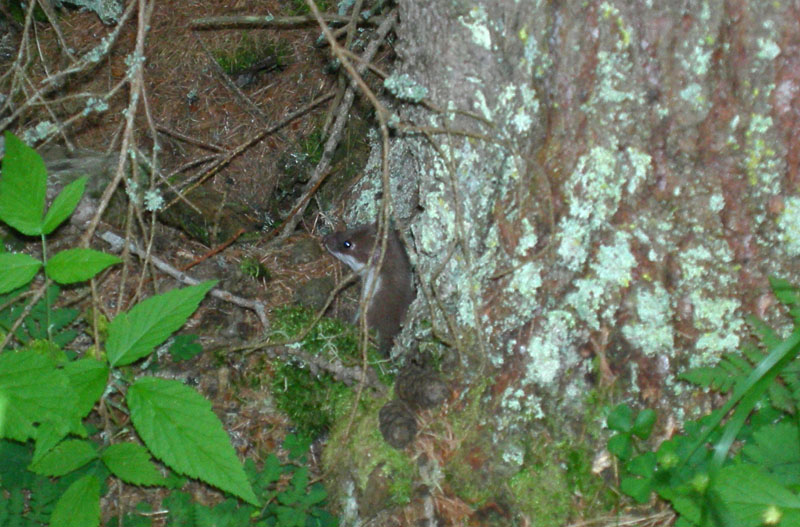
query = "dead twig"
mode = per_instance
[
  {"x": 222, "y": 161},
  {"x": 269, "y": 21},
  {"x": 341, "y": 119},
  {"x": 117, "y": 243}
]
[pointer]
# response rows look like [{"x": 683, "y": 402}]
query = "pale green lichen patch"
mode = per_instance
[
  {"x": 789, "y": 226},
  {"x": 552, "y": 348},
  {"x": 594, "y": 191},
  {"x": 767, "y": 49},
  {"x": 478, "y": 25},
  {"x": 762, "y": 165},
  {"x": 611, "y": 272},
  {"x": 521, "y": 406},
  {"x": 405, "y": 88},
  {"x": 652, "y": 333},
  {"x": 720, "y": 324},
  {"x": 706, "y": 267}
]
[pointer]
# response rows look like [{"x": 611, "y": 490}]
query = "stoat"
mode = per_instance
[{"x": 393, "y": 286}]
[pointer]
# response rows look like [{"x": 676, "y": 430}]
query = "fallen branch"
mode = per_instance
[
  {"x": 117, "y": 243},
  {"x": 269, "y": 21}
]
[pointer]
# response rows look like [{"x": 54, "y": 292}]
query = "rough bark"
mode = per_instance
[{"x": 612, "y": 210}]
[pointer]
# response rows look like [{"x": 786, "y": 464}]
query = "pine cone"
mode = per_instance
[
  {"x": 397, "y": 424},
  {"x": 419, "y": 385}
]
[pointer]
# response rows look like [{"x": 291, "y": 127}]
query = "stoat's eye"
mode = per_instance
[{"x": 347, "y": 244}]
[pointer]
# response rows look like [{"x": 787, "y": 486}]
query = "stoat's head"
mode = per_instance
[{"x": 352, "y": 246}]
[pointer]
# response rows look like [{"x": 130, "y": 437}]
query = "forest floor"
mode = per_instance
[{"x": 197, "y": 110}]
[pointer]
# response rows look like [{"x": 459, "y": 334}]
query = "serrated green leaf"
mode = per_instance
[
  {"x": 65, "y": 457},
  {"x": 131, "y": 463},
  {"x": 23, "y": 186},
  {"x": 78, "y": 265},
  {"x": 703, "y": 376},
  {"x": 784, "y": 291},
  {"x": 32, "y": 391},
  {"x": 644, "y": 422},
  {"x": 88, "y": 377},
  {"x": 134, "y": 334},
  {"x": 63, "y": 205},
  {"x": 637, "y": 488},
  {"x": 177, "y": 425},
  {"x": 776, "y": 448},
  {"x": 80, "y": 504},
  {"x": 620, "y": 446},
  {"x": 48, "y": 435},
  {"x": 18, "y": 270},
  {"x": 737, "y": 508},
  {"x": 620, "y": 418},
  {"x": 297, "y": 446}
]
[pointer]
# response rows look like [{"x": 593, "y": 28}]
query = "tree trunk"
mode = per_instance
[{"x": 604, "y": 193}]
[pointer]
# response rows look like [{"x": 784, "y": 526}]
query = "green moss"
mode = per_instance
[
  {"x": 364, "y": 457},
  {"x": 253, "y": 267},
  {"x": 314, "y": 401}
]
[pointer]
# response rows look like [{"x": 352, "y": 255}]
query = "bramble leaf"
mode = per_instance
[
  {"x": 23, "y": 187},
  {"x": 134, "y": 334},
  {"x": 18, "y": 270},
  {"x": 131, "y": 463},
  {"x": 88, "y": 377},
  {"x": 177, "y": 425},
  {"x": 32, "y": 391},
  {"x": 79, "y": 506},
  {"x": 78, "y": 265},
  {"x": 65, "y": 457},
  {"x": 64, "y": 204}
]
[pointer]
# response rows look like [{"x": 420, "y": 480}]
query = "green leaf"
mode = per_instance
[
  {"x": 23, "y": 187},
  {"x": 18, "y": 270},
  {"x": 776, "y": 448},
  {"x": 297, "y": 446},
  {"x": 88, "y": 377},
  {"x": 620, "y": 418},
  {"x": 32, "y": 391},
  {"x": 620, "y": 446},
  {"x": 185, "y": 347},
  {"x": 48, "y": 435},
  {"x": 739, "y": 507},
  {"x": 749, "y": 392},
  {"x": 63, "y": 205},
  {"x": 667, "y": 454},
  {"x": 643, "y": 465},
  {"x": 637, "y": 488},
  {"x": 79, "y": 506},
  {"x": 130, "y": 462},
  {"x": 784, "y": 291},
  {"x": 134, "y": 334},
  {"x": 67, "y": 456},
  {"x": 177, "y": 425},
  {"x": 644, "y": 422},
  {"x": 78, "y": 265}
]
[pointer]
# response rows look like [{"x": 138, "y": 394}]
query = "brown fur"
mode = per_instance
[{"x": 394, "y": 290}]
